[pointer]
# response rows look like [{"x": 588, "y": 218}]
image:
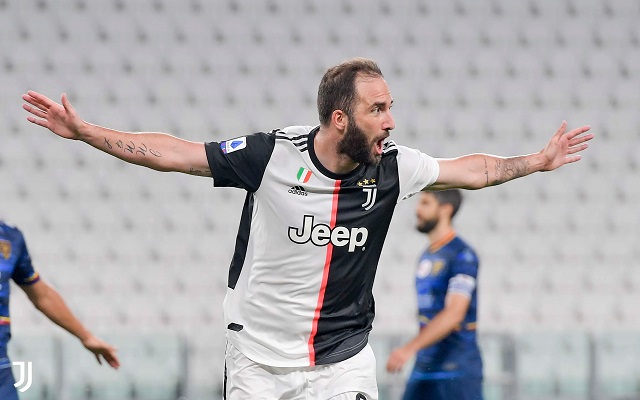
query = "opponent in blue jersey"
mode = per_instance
[
  {"x": 448, "y": 364},
  {"x": 15, "y": 264}
]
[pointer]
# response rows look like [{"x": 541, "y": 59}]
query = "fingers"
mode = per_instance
[
  {"x": 34, "y": 102},
  {"x": 35, "y": 111},
  {"x": 108, "y": 354},
  {"x": 38, "y": 100},
  {"x": 580, "y": 139},
  {"x": 573, "y": 159},
  {"x": 561, "y": 129},
  {"x": 393, "y": 368},
  {"x": 575, "y": 132},
  {"x": 394, "y": 364},
  {"x": 37, "y": 121},
  {"x": 113, "y": 361},
  {"x": 576, "y": 149}
]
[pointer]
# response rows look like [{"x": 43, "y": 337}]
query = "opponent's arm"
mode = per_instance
[
  {"x": 456, "y": 306},
  {"x": 476, "y": 171},
  {"x": 158, "y": 151},
  {"x": 46, "y": 299}
]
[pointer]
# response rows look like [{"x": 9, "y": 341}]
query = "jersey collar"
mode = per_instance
[{"x": 445, "y": 240}]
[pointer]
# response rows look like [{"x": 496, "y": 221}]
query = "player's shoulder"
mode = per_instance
[
  {"x": 292, "y": 133},
  {"x": 464, "y": 251},
  {"x": 391, "y": 149},
  {"x": 9, "y": 231},
  {"x": 294, "y": 138}
]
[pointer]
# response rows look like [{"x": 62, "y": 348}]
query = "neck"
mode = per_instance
[
  {"x": 440, "y": 233},
  {"x": 325, "y": 145}
]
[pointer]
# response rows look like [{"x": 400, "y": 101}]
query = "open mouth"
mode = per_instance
[{"x": 380, "y": 143}]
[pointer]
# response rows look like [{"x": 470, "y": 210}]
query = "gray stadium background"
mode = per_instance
[{"x": 142, "y": 256}]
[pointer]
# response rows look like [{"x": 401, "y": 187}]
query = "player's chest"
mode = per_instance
[
  {"x": 432, "y": 274},
  {"x": 296, "y": 189}
]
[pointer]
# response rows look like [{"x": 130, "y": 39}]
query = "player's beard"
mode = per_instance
[
  {"x": 355, "y": 145},
  {"x": 426, "y": 226}
]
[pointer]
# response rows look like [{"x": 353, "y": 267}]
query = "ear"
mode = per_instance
[
  {"x": 446, "y": 210},
  {"x": 340, "y": 119}
]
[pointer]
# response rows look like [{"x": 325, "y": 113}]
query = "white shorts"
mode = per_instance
[{"x": 351, "y": 379}]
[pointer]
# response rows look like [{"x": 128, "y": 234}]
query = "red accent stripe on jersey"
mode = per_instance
[{"x": 325, "y": 276}]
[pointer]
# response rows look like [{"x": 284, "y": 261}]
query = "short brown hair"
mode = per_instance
[
  {"x": 337, "y": 89},
  {"x": 450, "y": 196}
]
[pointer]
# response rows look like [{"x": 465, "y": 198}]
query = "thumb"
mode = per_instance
[
  {"x": 561, "y": 129},
  {"x": 67, "y": 104}
]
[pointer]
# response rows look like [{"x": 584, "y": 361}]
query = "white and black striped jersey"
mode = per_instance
[{"x": 308, "y": 245}]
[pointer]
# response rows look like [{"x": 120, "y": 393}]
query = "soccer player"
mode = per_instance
[
  {"x": 448, "y": 364},
  {"x": 299, "y": 303},
  {"x": 15, "y": 263}
]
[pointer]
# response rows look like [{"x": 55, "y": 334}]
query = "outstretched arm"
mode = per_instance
[
  {"x": 477, "y": 171},
  {"x": 158, "y": 151},
  {"x": 437, "y": 329},
  {"x": 50, "y": 303}
]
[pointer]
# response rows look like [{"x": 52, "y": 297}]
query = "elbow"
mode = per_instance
[
  {"x": 38, "y": 304},
  {"x": 456, "y": 318}
]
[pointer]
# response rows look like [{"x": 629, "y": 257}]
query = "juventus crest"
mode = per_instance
[
  {"x": 369, "y": 187},
  {"x": 371, "y": 191}
]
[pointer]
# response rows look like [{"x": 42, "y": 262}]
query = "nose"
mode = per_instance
[{"x": 389, "y": 122}]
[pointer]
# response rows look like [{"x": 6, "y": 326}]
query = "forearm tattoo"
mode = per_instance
[
  {"x": 132, "y": 148},
  {"x": 205, "y": 172},
  {"x": 486, "y": 171},
  {"x": 508, "y": 169}
]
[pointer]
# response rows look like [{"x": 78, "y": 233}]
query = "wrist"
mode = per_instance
[
  {"x": 85, "y": 132},
  {"x": 412, "y": 348},
  {"x": 537, "y": 162},
  {"x": 84, "y": 336}
]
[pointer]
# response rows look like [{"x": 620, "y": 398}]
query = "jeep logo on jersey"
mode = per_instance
[{"x": 322, "y": 234}]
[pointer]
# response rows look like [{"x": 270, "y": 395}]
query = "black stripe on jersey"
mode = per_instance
[
  {"x": 348, "y": 306},
  {"x": 282, "y": 135},
  {"x": 242, "y": 242},
  {"x": 299, "y": 141},
  {"x": 389, "y": 146}
]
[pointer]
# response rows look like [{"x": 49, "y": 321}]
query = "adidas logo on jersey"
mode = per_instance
[{"x": 299, "y": 190}]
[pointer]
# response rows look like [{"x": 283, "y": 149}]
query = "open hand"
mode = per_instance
[
  {"x": 398, "y": 358},
  {"x": 102, "y": 350},
  {"x": 60, "y": 119},
  {"x": 563, "y": 145}
]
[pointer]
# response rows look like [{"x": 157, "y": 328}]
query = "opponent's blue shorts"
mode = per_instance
[
  {"x": 444, "y": 389},
  {"x": 7, "y": 390}
]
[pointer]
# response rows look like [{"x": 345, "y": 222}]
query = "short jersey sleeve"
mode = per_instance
[
  {"x": 240, "y": 162},
  {"x": 23, "y": 273},
  {"x": 416, "y": 171},
  {"x": 464, "y": 273}
]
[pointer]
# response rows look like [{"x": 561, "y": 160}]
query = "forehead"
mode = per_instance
[{"x": 373, "y": 90}]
